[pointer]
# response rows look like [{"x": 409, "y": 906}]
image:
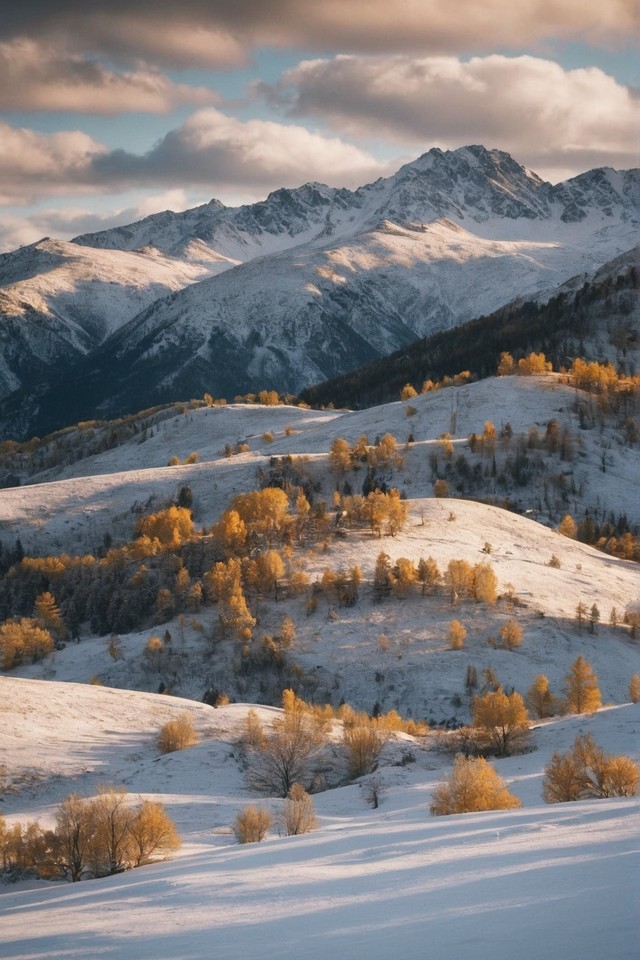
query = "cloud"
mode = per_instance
[
  {"x": 204, "y": 33},
  {"x": 226, "y": 153},
  {"x": 36, "y": 164},
  {"x": 557, "y": 121},
  {"x": 68, "y": 222},
  {"x": 209, "y": 150},
  {"x": 37, "y": 77}
]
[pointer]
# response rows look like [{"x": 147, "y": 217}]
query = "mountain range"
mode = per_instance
[{"x": 296, "y": 289}]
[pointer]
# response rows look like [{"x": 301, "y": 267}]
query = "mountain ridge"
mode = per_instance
[{"x": 315, "y": 281}]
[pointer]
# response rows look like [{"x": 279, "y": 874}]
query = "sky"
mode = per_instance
[{"x": 110, "y": 111}]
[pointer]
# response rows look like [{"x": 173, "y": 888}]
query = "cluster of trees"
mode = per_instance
[
  {"x": 23, "y": 640},
  {"x": 500, "y": 721},
  {"x": 532, "y": 364},
  {"x": 582, "y": 693},
  {"x": 461, "y": 580},
  {"x": 92, "y": 838},
  {"x": 584, "y": 772},
  {"x": 289, "y": 751},
  {"x": 86, "y": 439},
  {"x": 297, "y": 816},
  {"x": 383, "y": 454},
  {"x": 616, "y": 537}
]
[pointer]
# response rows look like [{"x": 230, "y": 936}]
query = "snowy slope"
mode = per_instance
[
  {"x": 58, "y": 301},
  {"x": 367, "y": 884},
  {"x": 79, "y": 503}
]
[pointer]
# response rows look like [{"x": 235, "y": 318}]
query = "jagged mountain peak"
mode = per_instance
[{"x": 469, "y": 183}]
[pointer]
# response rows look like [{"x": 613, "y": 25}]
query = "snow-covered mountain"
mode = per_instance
[
  {"x": 58, "y": 301},
  {"x": 313, "y": 282}
]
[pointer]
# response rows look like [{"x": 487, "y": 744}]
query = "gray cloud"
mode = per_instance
[
  {"x": 557, "y": 121},
  {"x": 37, "y": 77},
  {"x": 206, "y": 33}
]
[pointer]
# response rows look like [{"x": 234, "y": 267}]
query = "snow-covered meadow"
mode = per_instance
[{"x": 367, "y": 884}]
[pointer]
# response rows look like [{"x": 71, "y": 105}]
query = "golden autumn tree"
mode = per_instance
[
  {"x": 581, "y": 687},
  {"x": 47, "y": 613},
  {"x": 340, "y": 456},
  {"x": 152, "y": 834},
  {"x": 457, "y": 634},
  {"x": 540, "y": 700},
  {"x": 511, "y": 634},
  {"x": 502, "y": 719}
]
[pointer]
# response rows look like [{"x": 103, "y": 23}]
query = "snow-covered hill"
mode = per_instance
[{"x": 71, "y": 507}]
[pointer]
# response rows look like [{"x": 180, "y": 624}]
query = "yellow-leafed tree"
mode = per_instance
[{"x": 473, "y": 785}]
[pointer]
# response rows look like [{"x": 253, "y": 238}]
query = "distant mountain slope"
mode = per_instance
[
  {"x": 595, "y": 315},
  {"x": 314, "y": 282},
  {"x": 58, "y": 301}
]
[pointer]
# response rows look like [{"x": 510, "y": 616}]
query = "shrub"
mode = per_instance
[
  {"x": 634, "y": 688},
  {"x": 251, "y": 824},
  {"x": 441, "y": 488},
  {"x": 177, "y": 734},
  {"x": 587, "y": 772},
  {"x": 363, "y": 743},
  {"x": 473, "y": 785},
  {"x": 298, "y": 813}
]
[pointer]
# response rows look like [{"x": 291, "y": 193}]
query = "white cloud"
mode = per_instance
[
  {"x": 37, "y": 164},
  {"x": 555, "y": 120},
  {"x": 227, "y": 153},
  {"x": 37, "y": 77},
  {"x": 210, "y": 150}
]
